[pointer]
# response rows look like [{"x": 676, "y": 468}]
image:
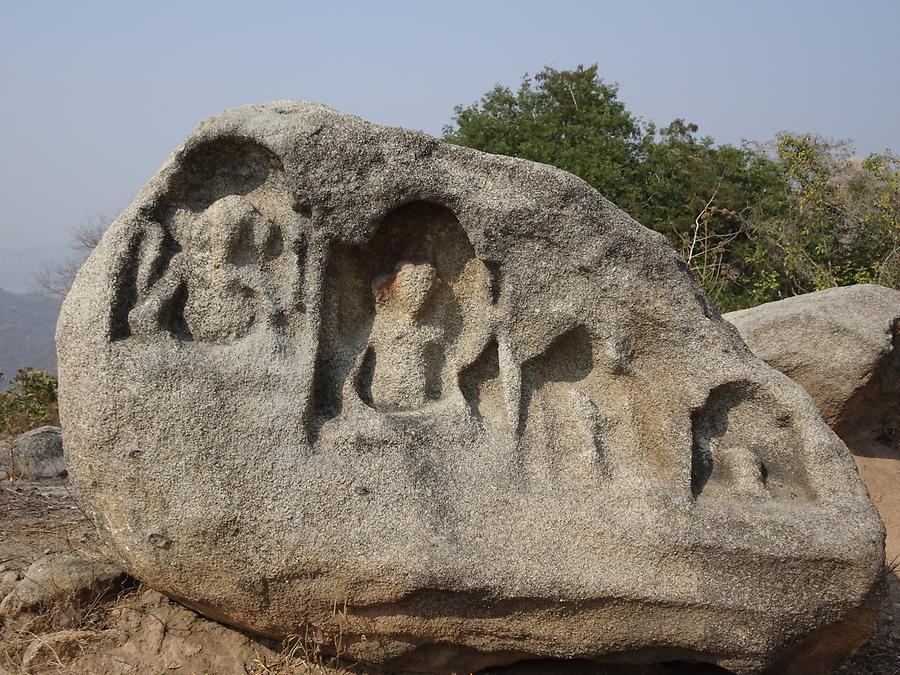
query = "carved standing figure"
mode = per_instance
[{"x": 407, "y": 338}]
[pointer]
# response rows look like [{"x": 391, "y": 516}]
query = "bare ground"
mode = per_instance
[
  {"x": 141, "y": 631},
  {"x": 879, "y": 468}
]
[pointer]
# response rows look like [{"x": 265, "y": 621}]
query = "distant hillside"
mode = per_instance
[{"x": 27, "y": 324}]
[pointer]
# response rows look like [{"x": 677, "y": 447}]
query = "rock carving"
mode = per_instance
[{"x": 321, "y": 361}]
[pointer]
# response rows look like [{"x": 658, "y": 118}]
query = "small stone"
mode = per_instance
[
  {"x": 60, "y": 582},
  {"x": 38, "y": 454},
  {"x": 159, "y": 541},
  {"x": 8, "y": 581}
]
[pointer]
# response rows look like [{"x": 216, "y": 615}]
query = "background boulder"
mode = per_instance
[
  {"x": 37, "y": 454},
  {"x": 841, "y": 345}
]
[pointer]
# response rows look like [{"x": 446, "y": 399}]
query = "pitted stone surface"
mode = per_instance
[{"x": 456, "y": 408}]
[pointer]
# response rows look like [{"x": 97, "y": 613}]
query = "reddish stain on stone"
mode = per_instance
[{"x": 383, "y": 290}]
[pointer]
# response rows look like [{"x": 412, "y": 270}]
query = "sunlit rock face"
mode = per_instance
[
  {"x": 841, "y": 345},
  {"x": 335, "y": 379}
]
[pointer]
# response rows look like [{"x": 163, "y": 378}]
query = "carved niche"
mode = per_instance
[
  {"x": 403, "y": 314},
  {"x": 223, "y": 253}
]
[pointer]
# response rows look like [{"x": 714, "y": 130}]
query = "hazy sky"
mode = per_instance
[{"x": 95, "y": 95}]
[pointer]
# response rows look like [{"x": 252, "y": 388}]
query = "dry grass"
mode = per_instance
[
  {"x": 59, "y": 616},
  {"x": 316, "y": 650},
  {"x": 69, "y": 612}
]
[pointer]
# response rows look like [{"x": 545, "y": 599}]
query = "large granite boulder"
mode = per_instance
[
  {"x": 841, "y": 345},
  {"x": 453, "y": 410}
]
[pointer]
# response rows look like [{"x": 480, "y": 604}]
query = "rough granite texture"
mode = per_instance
[
  {"x": 329, "y": 377},
  {"x": 36, "y": 454},
  {"x": 841, "y": 345}
]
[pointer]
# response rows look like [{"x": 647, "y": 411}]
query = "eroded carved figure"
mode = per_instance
[
  {"x": 325, "y": 360},
  {"x": 223, "y": 284},
  {"x": 407, "y": 342}
]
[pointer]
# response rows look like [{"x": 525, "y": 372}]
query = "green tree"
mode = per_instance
[
  {"x": 696, "y": 193},
  {"x": 570, "y": 119},
  {"x": 705, "y": 198},
  {"x": 841, "y": 222},
  {"x": 754, "y": 223}
]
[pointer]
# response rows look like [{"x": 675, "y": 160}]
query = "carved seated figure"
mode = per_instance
[
  {"x": 218, "y": 291},
  {"x": 406, "y": 338}
]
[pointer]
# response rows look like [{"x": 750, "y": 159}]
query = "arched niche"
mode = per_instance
[{"x": 403, "y": 314}]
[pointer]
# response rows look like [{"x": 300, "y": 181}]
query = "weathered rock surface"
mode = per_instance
[
  {"x": 455, "y": 409},
  {"x": 9, "y": 579},
  {"x": 62, "y": 584},
  {"x": 841, "y": 345},
  {"x": 37, "y": 454}
]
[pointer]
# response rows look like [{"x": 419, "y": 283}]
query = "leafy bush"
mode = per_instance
[
  {"x": 840, "y": 222},
  {"x": 30, "y": 402}
]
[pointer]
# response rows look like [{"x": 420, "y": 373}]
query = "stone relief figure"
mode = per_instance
[
  {"x": 404, "y": 314},
  {"x": 407, "y": 341},
  {"x": 218, "y": 287}
]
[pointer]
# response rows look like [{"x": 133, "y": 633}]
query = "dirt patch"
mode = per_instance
[
  {"x": 42, "y": 518},
  {"x": 879, "y": 468},
  {"x": 882, "y": 477},
  {"x": 139, "y": 631},
  {"x": 147, "y": 633}
]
